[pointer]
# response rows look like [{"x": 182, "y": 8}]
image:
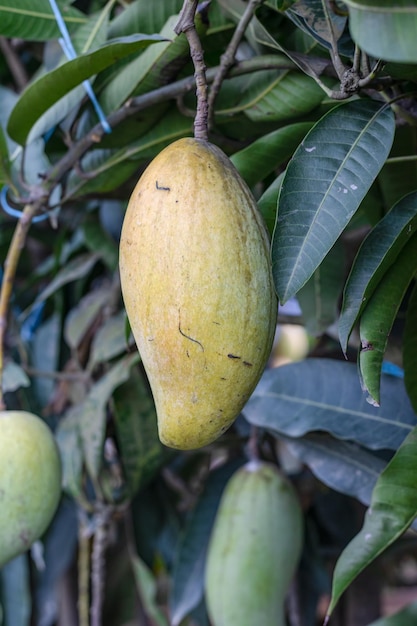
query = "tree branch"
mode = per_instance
[
  {"x": 10, "y": 266},
  {"x": 228, "y": 58}
]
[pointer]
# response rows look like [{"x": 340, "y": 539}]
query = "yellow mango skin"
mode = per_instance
[
  {"x": 198, "y": 290},
  {"x": 30, "y": 481}
]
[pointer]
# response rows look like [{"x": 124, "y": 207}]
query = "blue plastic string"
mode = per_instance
[
  {"x": 70, "y": 52},
  {"x": 15, "y": 212},
  {"x": 392, "y": 369}
]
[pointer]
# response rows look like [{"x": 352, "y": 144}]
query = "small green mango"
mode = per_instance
[
  {"x": 254, "y": 548},
  {"x": 30, "y": 481}
]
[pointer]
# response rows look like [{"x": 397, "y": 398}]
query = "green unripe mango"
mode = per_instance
[
  {"x": 197, "y": 286},
  {"x": 30, "y": 481},
  {"x": 254, "y": 548}
]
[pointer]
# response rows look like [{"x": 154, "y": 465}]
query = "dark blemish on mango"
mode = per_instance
[{"x": 160, "y": 188}]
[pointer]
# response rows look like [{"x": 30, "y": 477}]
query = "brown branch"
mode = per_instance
[
  {"x": 10, "y": 266},
  {"x": 227, "y": 60},
  {"x": 16, "y": 67},
  {"x": 186, "y": 25},
  {"x": 98, "y": 565}
]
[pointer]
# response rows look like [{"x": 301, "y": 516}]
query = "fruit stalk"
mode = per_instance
[{"x": 186, "y": 25}]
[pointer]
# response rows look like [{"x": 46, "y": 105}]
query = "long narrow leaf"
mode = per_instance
[
  {"x": 393, "y": 508},
  {"x": 325, "y": 395},
  {"x": 385, "y": 30},
  {"x": 341, "y": 465},
  {"x": 34, "y": 19},
  {"x": 379, "y": 315},
  {"x": 377, "y": 252},
  {"x": 92, "y": 414},
  {"x": 48, "y": 89},
  {"x": 320, "y": 295},
  {"x": 410, "y": 349},
  {"x": 265, "y": 154},
  {"x": 325, "y": 182}
]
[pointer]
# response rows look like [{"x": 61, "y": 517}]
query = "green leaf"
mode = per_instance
[
  {"x": 34, "y": 20},
  {"x": 273, "y": 95},
  {"x": 14, "y": 377},
  {"x": 112, "y": 167},
  {"x": 92, "y": 415},
  {"x": 100, "y": 242},
  {"x": 89, "y": 36},
  {"x": 143, "y": 17},
  {"x": 76, "y": 268},
  {"x": 289, "y": 96},
  {"x": 188, "y": 572},
  {"x": 341, "y": 465},
  {"x": 399, "y": 174},
  {"x": 109, "y": 340},
  {"x": 48, "y": 89},
  {"x": 392, "y": 510},
  {"x": 265, "y": 154},
  {"x": 16, "y": 599},
  {"x": 147, "y": 589},
  {"x": 267, "y": 203},
  {"x": 377, "y": 253},
  {"x": 325, "y": 182},
  {"x": 137, "y": 434},
  {"x": 4, "y": 159},
  {"x": 325, "y": 395},
  {"x": 45, "y": 353},
  {"x": 151, "y": 69},
  {"x": 93, "y": 33},
  {"x": 106, "y": 170},
  {"x": 69, "y": 443},
  {"x": 80, "y": 319},
  {"x": 315, "y": 18},
  {"x": 410, "y": 349},
  {"x": 385, "y": 29},
  {"x": 319, "y": 297},
  {"x": 379, "y": 315},
  {"x": 258, "y": 35}
]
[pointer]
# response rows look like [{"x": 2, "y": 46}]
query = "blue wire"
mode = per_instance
[
  {"x": 15, "y": 212},
  {"x": 392, "y": 369},
  {"x": 70, "y": 52}
]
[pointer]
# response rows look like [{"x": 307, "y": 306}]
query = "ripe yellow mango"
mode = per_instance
[
  {"x": 198, "y": 290},
  {"x": 30, "y": 481}
]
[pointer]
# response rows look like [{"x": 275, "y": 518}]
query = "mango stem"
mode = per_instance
[{"x": 186, "y": 25}]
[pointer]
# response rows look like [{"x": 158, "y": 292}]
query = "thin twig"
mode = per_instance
[
  {"x": 186, "y": 25},
  {"x": 16, "y": 67},
  {"x": 334, "y": 52},
  {"x": 253, "y": 441},
  {"x": 10, "y": 266},
  {"x": 227, "y": 60},
  {"x": 63, "y": 376},
  {"x": 98, "y": 565},
  {"x": 83, "y": 566}
]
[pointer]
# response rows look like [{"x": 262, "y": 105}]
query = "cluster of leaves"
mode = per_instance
[{"x": 319, "y": 116}]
